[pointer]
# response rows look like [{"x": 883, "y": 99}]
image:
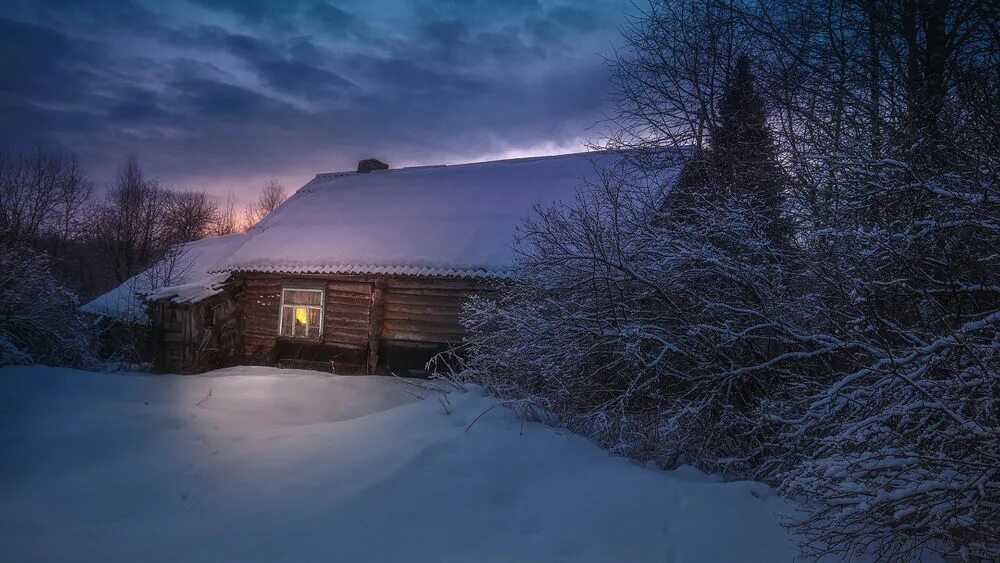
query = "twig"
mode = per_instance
[
  {"x": 203, "y": 399},
  {"x": 488, "y": 410},
  {"x": 404, "y": 380}
]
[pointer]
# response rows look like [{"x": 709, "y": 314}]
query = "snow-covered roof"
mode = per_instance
[
  {"x": 183, "y": 277},
  {"x": 456, "y": 220}
]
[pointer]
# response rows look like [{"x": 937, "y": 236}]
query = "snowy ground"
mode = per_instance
[{"x": 259, "y": 464}]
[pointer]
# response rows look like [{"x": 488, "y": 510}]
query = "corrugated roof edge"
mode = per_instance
[{"x": 371, "y": 269}]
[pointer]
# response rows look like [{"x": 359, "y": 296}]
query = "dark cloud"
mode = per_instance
[
  {"x": 41, "y": 64},
  {"x": 293, "y": 68},
  {"x": 136, "y": 106},
  {"x": 400, "y": 77},
  {"x": 224, "y": 91},
  {"x": 301, "y": 78},
  {"x": 576, "y": 18},
  {"x": 256, "y": 10},
  {"x": 334, "y": 20},
  {"x": 220, "y": 102},
  {"x": 103, "y": 15}
]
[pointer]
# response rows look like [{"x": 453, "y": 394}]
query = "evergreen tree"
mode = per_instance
[{"x": 741, "y": 161}]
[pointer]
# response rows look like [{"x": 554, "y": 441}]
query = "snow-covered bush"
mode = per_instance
[
  {"x": 40, "y": 320},
  {"x": 861, "y": 371},
  {"x": 665, "y": 313},
  {"x": 849, "y": 355},
  {"x": 662, "y": 338},
  {"x": 902, "y": 450}
]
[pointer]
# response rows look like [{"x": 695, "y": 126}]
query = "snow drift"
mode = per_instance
[{"x": 283, "y": 465}]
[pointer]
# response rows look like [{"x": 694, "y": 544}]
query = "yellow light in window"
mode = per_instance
[{"x": 301, "y": 315}]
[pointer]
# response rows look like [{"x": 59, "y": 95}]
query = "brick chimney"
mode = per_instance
[{"x": 369, "y": 164}]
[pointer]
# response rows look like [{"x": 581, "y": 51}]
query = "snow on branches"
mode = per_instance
[
  {"x": 39, "y": 321},
  {"x": 662, "y": 338},
  {"x": 902, "y": 448}
]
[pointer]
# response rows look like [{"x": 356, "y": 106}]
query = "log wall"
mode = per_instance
[
  {"x": 371, "y": 323},
  {"x": 347, "y": 313},
  {"x": 425, "y": 309},
  {"x": 258, "y": 301}
]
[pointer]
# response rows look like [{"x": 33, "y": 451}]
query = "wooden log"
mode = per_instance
[
  {"x": 419, "y": 319},
  {"x": 261, "y": 285},
  {"x": 260, "y": 299},
  {"x": 357, "y": 308},
  {"x": 358, "y": 334},
  {"x": 422, "y": 336},
  {"x": 346, "y": 336},
  {"x": 446, "y": 309},
  {"x": 260, "y": 332},
  {"x": 262, "y": 325},
  {"x": 410, "y": 282},
  {"x": 397, "y": 301},
  {"x": 433, "y": 292},
  {"x": 436, "y": 324},
  {"x": 364, "y": 288},
  {"x": 334, "y": 324},
  {"x": 434, "y": 303},
  {"x": 357, "y": 345},
  {"x": 261, "y": 316}
]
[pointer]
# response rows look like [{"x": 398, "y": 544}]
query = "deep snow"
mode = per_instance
[{"x": 261, "y": 464}]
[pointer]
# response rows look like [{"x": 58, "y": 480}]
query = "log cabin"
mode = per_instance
[{"x": 357, "y": 272}]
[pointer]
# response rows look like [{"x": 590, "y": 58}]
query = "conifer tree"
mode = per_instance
[
  {"x": 744, "y": 157},
  {"x": 741, "y": 161}
]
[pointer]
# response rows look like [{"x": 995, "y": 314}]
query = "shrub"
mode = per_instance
[{"x": 40, "y": 321}]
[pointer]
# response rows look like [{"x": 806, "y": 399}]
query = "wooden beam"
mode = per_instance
[{"x": 376, "y": 317}]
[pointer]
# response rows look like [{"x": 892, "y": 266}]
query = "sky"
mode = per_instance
[{"x": 225, "y": 94}]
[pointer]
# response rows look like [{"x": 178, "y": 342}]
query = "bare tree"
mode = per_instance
[
  {"x": 669, "y": 76},
  {"x": 227, "y": 220},
  {"x": 662, "y": 338},
  {"x": 42, "y": 194},
  {"x": 75, "y": 205},
  {"x": 190, "y": 215},
  {"x": 130, "y": 229},
  {"x": 271, "y": 196},
  {"x": 29, "y": 196}
]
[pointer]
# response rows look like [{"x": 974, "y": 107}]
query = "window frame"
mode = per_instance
[{"x": 321, "y": 308}]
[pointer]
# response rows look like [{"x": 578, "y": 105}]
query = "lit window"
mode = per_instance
[{"x": 301, "y": 313}]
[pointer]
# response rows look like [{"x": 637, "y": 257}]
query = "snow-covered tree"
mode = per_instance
[
  {"x": 741, "y": 160},
  {"x": 662, "y": 337},
  {"x": 834, "y": 331},
  {"x": 39, "y": 319},
  {"x": 900, "y": 448}
]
